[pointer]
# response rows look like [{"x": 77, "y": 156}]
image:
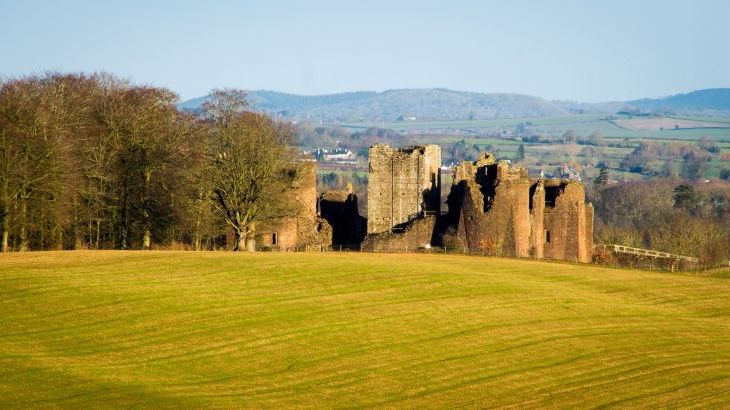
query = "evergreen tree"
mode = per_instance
[
  {"x": 685, "y": 197},
  {"x": 725, "y": 174},
  {"x": 520, "y": 153},
  {"x": 602, "y": 178}
]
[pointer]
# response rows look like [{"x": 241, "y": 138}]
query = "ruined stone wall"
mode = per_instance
[
  {"x": 513, "y": 203},
  {"x": 537, "y": 219},
  {"x": 493, "y": 208},
  {"x": 568, "y": 222},
  {"x": 281, "y": 233},
  {"x": 403, "y": 183},
  {"x": 498, "y": 210},
  {"x": 587, "y": 255},
  {"x": 494, "y": 211},
  {"x": 415, "y": 234},
  {"x": 340, "y": 209},
  {"x": 303, "y": 227},
  {"x": 479, "y": 234},
  {"x": 304, "y": 189}
]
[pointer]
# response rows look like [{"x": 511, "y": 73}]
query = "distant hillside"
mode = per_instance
[
  {"x": 442, "y": 104},
  {"x": 575, "y": 107},
  {"x": 708, "y": 102},
  {"x": 392, "y": 105}
]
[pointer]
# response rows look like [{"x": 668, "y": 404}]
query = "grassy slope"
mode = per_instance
[{"x": 187, "y": 329}]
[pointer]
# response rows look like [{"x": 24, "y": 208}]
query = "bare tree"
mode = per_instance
[
  {"x": 142, "y": 124},
  {"x": 9, "y": 156},
  {"x": 33, "y": 149},
  {"x": 202, "y": 220},
  {"x": 248, "y": 156}
]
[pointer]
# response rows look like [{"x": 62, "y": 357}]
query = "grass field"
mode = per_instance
[
  {"x": 490, "y": 123},
  {"x": 665, "y": 123},
  {"x": 91, "y": 329},
  {"x": 582, "y": 124}
]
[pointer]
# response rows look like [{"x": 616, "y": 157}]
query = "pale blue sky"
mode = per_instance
[{"x": 563, "y": 49}]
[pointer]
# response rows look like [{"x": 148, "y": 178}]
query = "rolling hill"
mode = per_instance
[
  {"x": 391, "y": 105},
  {"x": 280, "y": 330},
  {"x": 442, "y": 104},
  {"x": 714, "y": 101}
]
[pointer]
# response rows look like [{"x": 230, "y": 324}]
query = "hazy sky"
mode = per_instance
[{"x": 585, "y": 50}]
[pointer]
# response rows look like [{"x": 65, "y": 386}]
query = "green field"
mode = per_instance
[
  {"x": 619, "y": 138},
  {"x": 92, "y": 329},
  {"x": 490, "y": 123},
  {"x": 583, "y": 124}
]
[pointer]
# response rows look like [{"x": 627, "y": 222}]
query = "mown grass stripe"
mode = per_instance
[{"x": 183, "y": 329}]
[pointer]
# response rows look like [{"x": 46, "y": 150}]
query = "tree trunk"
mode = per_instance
[
  {"x": 146, "y": 239},
  {"x": 90, "y": 232},
  {"x": 98, "y": 233},
  {"x": 23, "y": 247},
  {"x": 78, "y": 239},
  {"x": 77, "y": 227},
  {"x": 197, "y": 241},
  {"x": 124, "y": 211},
  {"x": 198, "y": 237},
  {"x": 4, "y": 246},
  {"x": 59, "y": 238},
  {"x": 123, "y": 233},
  {"x": 238, "y": 241},
  {"x": 5, "y": 213},
  {"x": 23, "y": 231},
  {"x": 250, "y": 239},
  {"x": 42, "y": 232}
]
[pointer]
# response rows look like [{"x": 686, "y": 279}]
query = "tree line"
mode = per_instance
[
  {"x": 95, "y": 162},
  {"x": 667, "y": 215}
]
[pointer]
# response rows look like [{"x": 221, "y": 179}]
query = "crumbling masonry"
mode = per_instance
[
  {"x": 493, "y": 208},
  {"x": 339, "y": 209},
  {"x": 304, "y": 228},
  {"x": 497, "y": 209},
  {"x": 404, "y": 197},
  {"x": 403, "y": 184}
]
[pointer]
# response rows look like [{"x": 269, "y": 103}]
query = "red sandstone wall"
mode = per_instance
[
  {"x": 569, "y": 225},
  {"x": 304, "y": 227},
  {"x": 417, "y": 234},
  {"x": 537, "y": 219},
  {"x": 511, "y": 226},
  {"x": 398, "y": 179}
]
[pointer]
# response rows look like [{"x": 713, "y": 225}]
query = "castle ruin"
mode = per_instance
[
  {"x": 498, "y": 209},
  {"x": 403, "y": 184},
  {"x": 493, "y": 208},
  {"x": 340, "y": 210},
  {"x": 304, "y": 227}
]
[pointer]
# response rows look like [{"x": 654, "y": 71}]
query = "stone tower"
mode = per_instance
[
  {"x": 303, "y": 226},
  {"x": 404, "y": 183},
  {"x": 497, "y": 209}
]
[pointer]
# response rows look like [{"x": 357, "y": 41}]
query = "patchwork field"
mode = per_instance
[
  {"x": 166, "y": 329},
  {"x": 665, "y": 123}
]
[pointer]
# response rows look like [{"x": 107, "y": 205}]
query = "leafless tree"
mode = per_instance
[{"x": 248, "y": 155}]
